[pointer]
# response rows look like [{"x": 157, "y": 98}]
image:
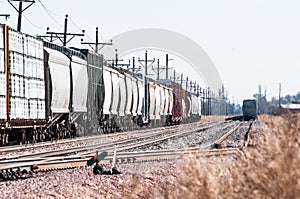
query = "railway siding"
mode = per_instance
[{"x": 139, "y": 151}]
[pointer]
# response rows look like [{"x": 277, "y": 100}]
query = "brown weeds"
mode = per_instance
[{"x": 268, "y": 169}]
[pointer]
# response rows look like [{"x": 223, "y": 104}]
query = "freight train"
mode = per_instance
[{"x": 49, "y": 91}]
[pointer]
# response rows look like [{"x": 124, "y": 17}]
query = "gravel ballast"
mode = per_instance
[{"x": 135, "y": 177}]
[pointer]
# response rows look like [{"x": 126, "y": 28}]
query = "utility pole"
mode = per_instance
[
  {"x": 146, "y": 62},
  {"x": 161, "y": 68},
  {"x": 205, "y": 102},
  {"x": 187, "y": 83},
  {"x": 145, "y": 103},
  {"x": 47, "y": 37},
  {"x": 20, "y": 10},
  {"x": 65, "y": 31},
  {"x": 115, "y": 62},
  {"x": 133, "y": 64},
  {"x": 181, "y": 79},
  {"x": 158, "y": 69},
  {"x": 174, "y": 75},
  {"x": 5, "y": 15},
  {"x": 167, "y": 66},
  {"x": 116, "y": 56},
  {"x": 191, "y": 86},
  {"x": 209, "y": 101},
  {"x": 201, "y": 94},
  {"x": 63, "y": 36},
  {"x": 279, "y": 101},
  {"x": 97, "y": 43}
]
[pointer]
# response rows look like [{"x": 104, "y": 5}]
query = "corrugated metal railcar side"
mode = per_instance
[
  {"x": 95, "y": 85},
  {"x": 177, "y": 113}
]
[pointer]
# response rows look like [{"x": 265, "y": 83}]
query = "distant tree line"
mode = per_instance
[
  {"x": 218, "y": 104},
  {"x": 265, "y": 106},
  {"x": 288, "y": 99}
]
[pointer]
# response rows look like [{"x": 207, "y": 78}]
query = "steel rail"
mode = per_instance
[
  {"x": 135, "y": 157},
  {"x": 82, "y": 139},
  {"x": 217, "y": 143},
  {"x": 128, "y": 157},
  {"x": 4, "y": 166},
  {"x": 165, "y": 137},
  {"x": 247, "y": 136},
  {"x": 111, "y": 145}
]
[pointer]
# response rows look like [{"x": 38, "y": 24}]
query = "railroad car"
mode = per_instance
[
  {"x": 95, "y": 97},
  {"x": 195, "y": 107},
  {"x": 160, "y": 103},
  {"x": 249, "y": 109},
  {"x": 176, "y": 106},
  {"x": 23, "y": 84},
  {"x": 123, "y": 100},
  {"x": 177, "y": 113},
  {"x": 49, "y": 91}
]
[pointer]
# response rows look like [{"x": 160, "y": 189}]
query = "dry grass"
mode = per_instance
[
  {"x": 212, "y": 118},
  {"x": 269, "y": 169}
]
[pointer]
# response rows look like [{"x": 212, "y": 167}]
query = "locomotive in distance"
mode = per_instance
[{"x": 249, "y": 109}]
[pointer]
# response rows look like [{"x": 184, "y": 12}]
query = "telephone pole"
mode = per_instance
[
  {"x": 187, "y": 83},
  {"x": 167, "y": 65},
  {"x": 5, "y": 15},
  {"x": 20, "y": 10},
  {"x": 279, "y": 101},
  {"x": 145, "y": 102},
  {"x": 63, "y": 36},
  {"x": 133, "y": 64},
  {"x": 115, "y": 62},
  {"x": 158, "y": 69},
  {"x": 174, "y": 76},
  {"x": 146, "y": 62},
  {"x": 161, "y": 68},
  {"x": 181, "y": 79},
  {"x": 96, "y": 49}
]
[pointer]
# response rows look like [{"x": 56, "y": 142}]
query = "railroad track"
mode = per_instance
[
  {"x": 45, "y": 164},
  {"x": 79, "y": 140},
  {"x": 123, "y": 144},
  {"x": 17, "y": 163},
  {"x": 58, "y": 160},
  {"x": 247, "y": 135},
  {"x": 218, "y": 143}
]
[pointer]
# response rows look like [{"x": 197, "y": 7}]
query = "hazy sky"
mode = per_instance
[{"x": 251, "y": 42}]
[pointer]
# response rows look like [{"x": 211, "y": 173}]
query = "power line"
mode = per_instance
[
  {"x": 49, "y": 13},
  {"x": 49, "y": 9},
  {"x": 88, "y": 36},
  {"x": 101, "y": 37},
  {"x": 76, "y": 26},
  {"x": 74, "y": 23},
  {"x": 39, "y": 27}
]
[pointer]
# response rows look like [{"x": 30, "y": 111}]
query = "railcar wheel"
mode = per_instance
[
  {"x": 5, "y": 138},
  {"x": 23, "y": 137}
]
